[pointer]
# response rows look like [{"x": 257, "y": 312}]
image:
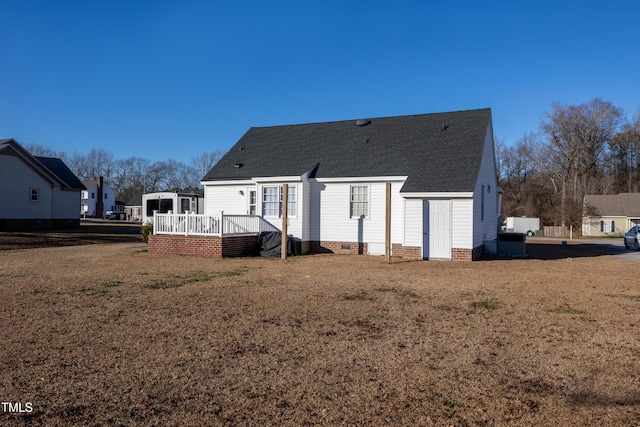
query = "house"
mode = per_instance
[
  {"x": 610, "y": 215},
  {"x": 98, "y": 198},
  {"x": 36, "y": 193},
  {"x": 441, "y": 168},
  {"x": 133, "y": 208}
]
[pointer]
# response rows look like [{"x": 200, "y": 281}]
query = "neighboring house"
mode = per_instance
[
  {"x": 133, "y": 207},
  {"x": 98, "y": 199},
  {"x": 36, "y": 193},
  {"x": 444, "y": 194},
  {"x": 610, "y": 215}
]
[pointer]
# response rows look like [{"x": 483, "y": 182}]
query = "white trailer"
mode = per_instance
[
  {"x": 522, "y": 224},
  {"x": 165, "y": 202}
]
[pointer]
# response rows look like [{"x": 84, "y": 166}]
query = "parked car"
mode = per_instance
[
  {"x": 114, "y": 215},
  {"x": 632, "y": 238}
]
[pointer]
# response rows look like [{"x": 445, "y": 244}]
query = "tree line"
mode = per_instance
[
  {"x": 591, "y": 148},
  {"x": 134, "y": 174}
]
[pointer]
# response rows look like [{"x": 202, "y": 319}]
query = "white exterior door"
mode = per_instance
[{"x": 436, "y": 219}]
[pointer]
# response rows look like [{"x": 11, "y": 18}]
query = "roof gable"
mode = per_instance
[
  {"x": 438, "y": 152},
  {"x": 53, "y": 169}
]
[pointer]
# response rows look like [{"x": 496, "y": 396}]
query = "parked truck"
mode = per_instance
[{"x": 522, "y": 224}]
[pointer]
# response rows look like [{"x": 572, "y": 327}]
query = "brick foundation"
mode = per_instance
[
  {"x": 466, "y": 254},
  {"x": 345, "y": 248},
  {"x": 207, "y": 246},
  {"x": 233, "y": 246},
  {"x": 412, "y": 252}
]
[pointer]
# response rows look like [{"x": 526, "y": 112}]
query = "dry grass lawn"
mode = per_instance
[{"x": 108, "y": 334}]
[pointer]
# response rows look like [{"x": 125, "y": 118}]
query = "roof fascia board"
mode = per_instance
[
  {"x": 362, "y": 179},
  {"x": 438, "y": 195},
  {"x": 229, "y": 182},
  {"x": 299, "y": 178}
]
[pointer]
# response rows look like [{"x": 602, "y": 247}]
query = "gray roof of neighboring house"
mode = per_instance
[
  {"x": 60, "y": 169},
  {"x": 623, "y": 204},
  {"x": 136, "y": 200},
  {"x": 439, "y": 152}
]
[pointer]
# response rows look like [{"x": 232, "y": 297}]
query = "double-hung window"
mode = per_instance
[
  {"x": 34, "y": 194},
  {"x": 359, "y": 205},
  {"x": 607, "y": 226},
  {"x": 272, "y": 201},
  {"x": 292, "y": 205},
  {"x": 253, "y": 202}
]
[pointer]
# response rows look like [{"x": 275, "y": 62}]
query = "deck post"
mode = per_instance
[
  {"x": 155, "y": 221},
  {"x": 221, "y": 223},
  {"x": 285, "y": 206}
]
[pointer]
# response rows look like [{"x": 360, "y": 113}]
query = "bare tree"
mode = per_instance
[
  {"x": 203, "y": 163},
  {"x": 577, "y": 137},
  {"x": 43, "y": 151},
  {"x": 99, "y": 162}
]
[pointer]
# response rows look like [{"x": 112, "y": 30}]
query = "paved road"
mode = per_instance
[{"x": 617, "y": 246}]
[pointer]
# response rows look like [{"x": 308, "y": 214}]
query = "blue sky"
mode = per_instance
[{"x": 171, "y": 79}]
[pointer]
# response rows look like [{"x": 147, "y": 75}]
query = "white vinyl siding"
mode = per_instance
[
  {"x": 462, "y": 223},
  {"x": 485, "y": 227},
  {"x": 413, "y": 225},
  {"x": 19, "y": 183},
  {"x": 330, "y": 211},
  {"x": 16, "y": 181},
  {"x": 231, "y": 199}
]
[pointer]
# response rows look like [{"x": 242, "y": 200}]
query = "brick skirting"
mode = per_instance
[
  {"x": 207, "y": 246},
  {"x": 466, "y": 254},
  {"x": 233, "y": 246},
  {"x": 411, "y": 252},
  {"x": 345, "y": 248}
]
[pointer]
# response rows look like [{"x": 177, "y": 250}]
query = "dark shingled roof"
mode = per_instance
[
  {"x": 438, "y": 152},
  {"x": 60, "y": 169}
]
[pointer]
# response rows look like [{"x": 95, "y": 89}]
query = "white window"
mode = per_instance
[
  {"x": 359, "y": 206},
  {"x": 35, "y": 194},
  {"x": 607, "y": 226},
  {"x": 292, "y": 205},
  {"x": 253, "y": 202},
  {"x": 272, "y": 201}
]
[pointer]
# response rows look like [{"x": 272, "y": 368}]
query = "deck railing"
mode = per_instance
[{"x": 209, "y": 225}]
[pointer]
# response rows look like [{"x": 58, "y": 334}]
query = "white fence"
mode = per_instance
[{"x": 209, "y": 225}]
